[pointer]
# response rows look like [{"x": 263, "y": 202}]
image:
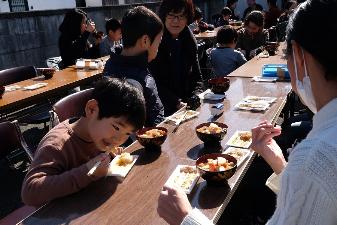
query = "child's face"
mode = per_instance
[
  {"x": 107, "y": 132},
  {"x": 115, "y": 35},
  {"x": 252, "y": 28},
  {"x": 226, "y": 18},
  {"x": 153, "y": 48}
]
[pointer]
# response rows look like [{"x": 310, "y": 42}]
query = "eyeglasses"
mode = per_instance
[{"x": 178, "y": 17}]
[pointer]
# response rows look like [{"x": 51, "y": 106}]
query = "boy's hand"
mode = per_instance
[{"x": 102, "y": 169}]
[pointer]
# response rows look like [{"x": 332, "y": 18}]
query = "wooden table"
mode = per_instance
[
  {"x": 253, "y": 67},
  {"x": 211, "y": 34},
  {"x": 134, "y": 201},
  {"x": 61, "y": 81}
]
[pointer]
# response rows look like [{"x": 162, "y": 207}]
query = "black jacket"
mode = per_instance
[
  {"x": 176, "y": 69},
  {"x": 72, "y": 49},
  {"x": 136, "y": 68}
]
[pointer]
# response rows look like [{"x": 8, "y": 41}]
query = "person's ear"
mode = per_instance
[
  {"x": 299, "y": 59},
  {"x": 145, "y": 41},
  {"x": 91, "y": 108}
]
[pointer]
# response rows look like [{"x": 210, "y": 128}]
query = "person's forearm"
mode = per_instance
[
  {"x": 40, "y": 188},
  {"x": 275, "y": 161}
]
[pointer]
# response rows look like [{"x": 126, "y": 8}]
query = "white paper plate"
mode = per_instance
[
  {"x": 260, "y": 99},
  {"x": 35, "y": 86},
  {"x": 240, "y": 154},
  {"x": 120, "y": 171},
  {"x": 235, "y": 140},
  {"x": 178, "y": 116},
  {"x": 186, "y": 181},
  {"x": 252, "y": 106}
]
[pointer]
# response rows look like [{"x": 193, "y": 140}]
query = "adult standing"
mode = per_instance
[{"x": 176, "y": 68}]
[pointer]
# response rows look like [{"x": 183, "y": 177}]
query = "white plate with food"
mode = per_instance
[
  {"x": 240, "y": 154},
  {"x": 241, "y": 139},
  {"x": 259, "y": 99},
  {"x": 35, "y": 86},
  {"x": 182, "y": 116},
  {"x": 121, "y": 165},
  {"x": 185, "y": 177},
  {"x": 252, "y": 106}
]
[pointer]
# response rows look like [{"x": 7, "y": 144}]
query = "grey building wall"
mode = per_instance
[{"x": 29, "y": 38}]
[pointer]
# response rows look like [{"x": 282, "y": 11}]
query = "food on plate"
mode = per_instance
[
  {"x": 188, "y": 169},
  {"x": 245, "y": 136},
  {"x": 124, "y": 159},
  {"x": 189, "y": 114},
  {"x": 186, "y": 177},
  {"x": 216, "y": 165},
  {"x": 153, "y": 133},
  {"x": 237, "y": 153},
  {"x": 211, "y": 129}
]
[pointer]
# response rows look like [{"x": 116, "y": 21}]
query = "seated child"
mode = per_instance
[
  {"x": 142, "y": 31},
  {"x": 226, "y": 14},
  {"x": 68, "y": 151},
  {"x": 198, "y": 25},
  {"x": 111, "y": 42},
  {"x": 224, "y": 58}
]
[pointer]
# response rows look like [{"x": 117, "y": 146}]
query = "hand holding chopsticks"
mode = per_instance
[{"x": 100, "y": 164}]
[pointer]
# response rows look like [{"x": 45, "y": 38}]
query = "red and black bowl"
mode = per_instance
[
  {"x": 219, "y": 85},
  {"x": 217, "y": 178},
  {"x": 151, "y": 142},
  {"x": 213, "y": 137},
  {"x": 48, "y": 73}
]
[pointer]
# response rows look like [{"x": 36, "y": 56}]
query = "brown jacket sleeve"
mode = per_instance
[{"x": 48, "y": 177}]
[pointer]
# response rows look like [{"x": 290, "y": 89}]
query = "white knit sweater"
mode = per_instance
[{"x": 308, "y": 191}]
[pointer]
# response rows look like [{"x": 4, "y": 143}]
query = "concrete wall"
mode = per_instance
[
  {"x": 4, "y": 6},
  {"x": 50, "y": 4},
  {"x": 29, "y": 38}
]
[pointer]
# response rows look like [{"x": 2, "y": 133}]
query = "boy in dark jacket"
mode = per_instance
[{"x": 142, "y": 31}]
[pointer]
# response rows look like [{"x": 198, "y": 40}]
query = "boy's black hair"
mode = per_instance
[
  {"x": 137, "y": 22},
  {"x": 316, "y": 13},
  {"x": 117, "y": 97},
  {"x": 197, "y": 13},
  {"x": 71, "y": 24},
  {"x": 177, "y": 6},
  {"x": 226, "y": 11},
  {"x": 226, "y": 35},
  {"x": 112, "y": 24},
  {"x": 255, "y": 17}
]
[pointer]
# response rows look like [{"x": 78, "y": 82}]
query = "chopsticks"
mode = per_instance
[{"x": 93, "y": 169}]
